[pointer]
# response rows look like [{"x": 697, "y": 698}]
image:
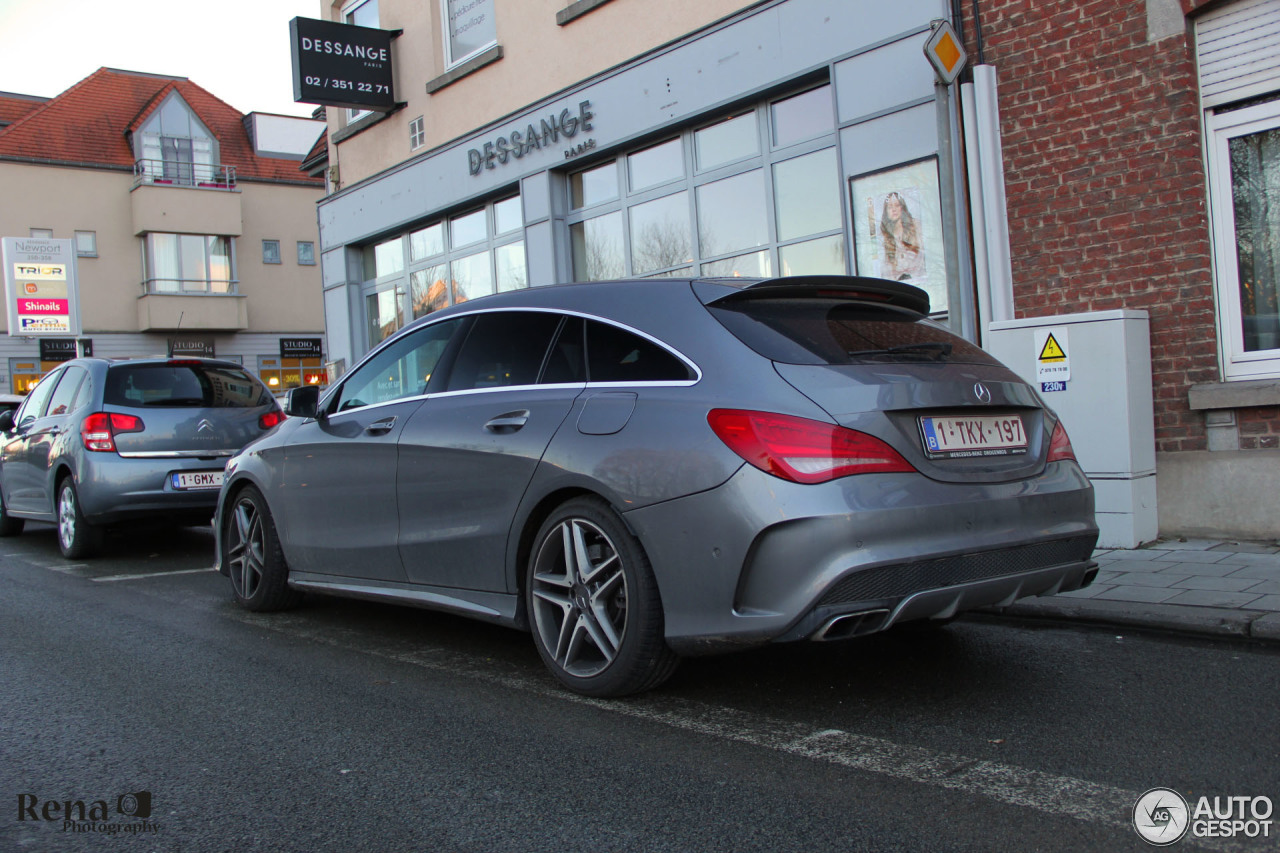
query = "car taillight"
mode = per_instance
[
  {"x": 1060, "y": 446},
  {"x": 98, "y": 431},
  {"x": 269, "y": 419},
  {"x": 801, "y": 450}
]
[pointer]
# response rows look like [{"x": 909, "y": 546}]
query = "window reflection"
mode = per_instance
[
  {"x": 731, "y": 214},
  {"x": 597, "y": 248},
  {"x": 803, "y": 116},
  {"x": 660, "y": 233}
]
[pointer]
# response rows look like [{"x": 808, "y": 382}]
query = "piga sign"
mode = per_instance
[{"x": 42, "y": 298}]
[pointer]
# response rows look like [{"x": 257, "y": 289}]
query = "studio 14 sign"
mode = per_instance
[
  {"x": 341, "y": 65},
  {"x": 40, "y": 286}
]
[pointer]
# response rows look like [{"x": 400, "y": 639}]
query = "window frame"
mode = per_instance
[
  {"x": 267, "y": 256},
  {"x": 450, "y": 61},
  {"x": 417, "y": 133},
  {"x": 311, "y": 250},
  {"x": 346, "y": 16},
  {"x": 86, "y": 253},
  {"x": 1222, "y": 127},
  {"x": 150, "y": 278}
]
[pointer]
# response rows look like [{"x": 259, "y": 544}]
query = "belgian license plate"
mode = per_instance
[
  {"x": 979, "y": 435},
  {"x": 185, "y": 480}
]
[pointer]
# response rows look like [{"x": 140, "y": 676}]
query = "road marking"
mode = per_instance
[
  {"x": 1060, "y": 796},
  {"x": 113, "y": 578}
]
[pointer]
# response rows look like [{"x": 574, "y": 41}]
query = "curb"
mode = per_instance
[{"x": 1254, "y": 625}]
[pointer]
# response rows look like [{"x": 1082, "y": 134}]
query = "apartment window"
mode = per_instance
[
  {"x": 469, "y": 28},
  {"x": 444, "y": 262},
  {"x": 306, "y": 253},
  {"x": 87, "y": 244},
  {"x": 417, "y": 134},
  {"x": 41, "y": 233},
  {"x": 361, "y": 13},
  {"x": 175, "y": 147},
  {"x": 271, "y": 251},
  {"x": 756, "y": 193},
  {"x": 1244, "y": 160},
  {"x": 188, "y": 263}
]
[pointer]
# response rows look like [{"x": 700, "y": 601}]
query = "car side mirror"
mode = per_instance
[
  {"x": 302, "y": 402},
  {"x": 6, "y": 420}
]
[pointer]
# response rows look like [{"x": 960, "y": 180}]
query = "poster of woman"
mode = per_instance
[{"x": 899, "y": 228}]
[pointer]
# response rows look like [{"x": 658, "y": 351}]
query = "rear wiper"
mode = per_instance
[{"x": 938, "y": 350}]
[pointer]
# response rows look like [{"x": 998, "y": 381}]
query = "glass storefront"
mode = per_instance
[{"x": 754, "y": 194}]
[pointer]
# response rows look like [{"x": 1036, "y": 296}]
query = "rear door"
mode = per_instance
[
  {"x": 468, "y": 454},
  {"x": 25, "y": 455}
]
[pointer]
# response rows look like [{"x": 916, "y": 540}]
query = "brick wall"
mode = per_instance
[
  {"x": 1259, "y": 428},
  {"x": 1105, "y": 181}
]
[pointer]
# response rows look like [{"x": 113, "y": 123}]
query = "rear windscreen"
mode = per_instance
[
  {"x": 833, "y": 331},
  {"x": 183, "y": 386}
]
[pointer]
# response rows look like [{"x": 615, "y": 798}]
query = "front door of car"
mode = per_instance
[
  {"x": 336, "y": 508},
  {"x": 467, "y": 456},
  {"x": 23, "y": 463}
]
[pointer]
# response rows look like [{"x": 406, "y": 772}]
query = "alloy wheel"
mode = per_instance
[
  {"x": 66, "y": 516},
  {"x": 580, "y": 597},
  {"x": 246, "y": 548}
]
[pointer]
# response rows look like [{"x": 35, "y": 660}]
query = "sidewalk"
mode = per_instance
[{"x": 1196, "y": 586}]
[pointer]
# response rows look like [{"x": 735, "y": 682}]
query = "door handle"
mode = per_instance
[
  {"x": 508, "y": 422},
  {"x": 381, "y": 427}
]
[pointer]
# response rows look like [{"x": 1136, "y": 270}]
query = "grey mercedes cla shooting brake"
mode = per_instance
[
  {"x": 635, "y": 471},
  {"x": 101, "y": 442}
]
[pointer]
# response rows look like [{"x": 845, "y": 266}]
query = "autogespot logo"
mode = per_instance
[{"x": 1161, "y": 817}]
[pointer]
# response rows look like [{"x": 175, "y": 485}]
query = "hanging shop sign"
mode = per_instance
[
  {"x": 64, "y": 349},
  {"x": 341, "y": 65},
  {"x": 40, "y": 286},
  {"x": 300, "y": 348}
]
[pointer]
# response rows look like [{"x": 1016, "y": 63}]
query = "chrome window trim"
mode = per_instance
[
  {"x": 176, "y": 454},
  {"x": 564, "y": 312}
]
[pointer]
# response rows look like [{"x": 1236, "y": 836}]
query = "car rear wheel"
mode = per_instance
[
  {"x": 259, "y": 576},
  {"x": 9, "y": 526},
  {"x": 594, "y": 605},
  {"x": 77, "y": 538}
]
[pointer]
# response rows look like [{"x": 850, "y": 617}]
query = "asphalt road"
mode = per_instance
[{"x": 351, "y": 726}]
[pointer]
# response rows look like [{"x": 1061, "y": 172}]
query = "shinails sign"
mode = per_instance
[{"x": 535, "y": 137}]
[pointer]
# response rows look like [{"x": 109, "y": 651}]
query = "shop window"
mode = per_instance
[
  {"x": 271, "y": 251},
  {"x": 469, "y": 28},
  {"x": 282, "y": 374},
  {"x": 444, "y": 263},
  {"x": 750, "y": 194},
  {"x": 1245, "y": 187},
  {"x": 87, "y": 244},
  {"x": 23, "y": 375}
]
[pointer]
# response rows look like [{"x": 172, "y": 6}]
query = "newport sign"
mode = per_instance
[{"x": 556, "y": 129}]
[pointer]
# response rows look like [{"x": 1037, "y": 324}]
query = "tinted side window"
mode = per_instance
[
  {"x": 567, "y": 361},
  {"x": 33, "y": 407},
  {"x": 616, "y": 355},
  {"x": 504, "y": 348},
  {"x": 63, "y": 396},
  {"x": 401, "y": 370}
]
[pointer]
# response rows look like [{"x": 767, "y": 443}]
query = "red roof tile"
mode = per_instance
[
  {"x": 14, "y": 106},
  {"x": 91, "y": 121}
]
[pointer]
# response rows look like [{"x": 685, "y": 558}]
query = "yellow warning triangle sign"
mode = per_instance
[{"x": 1052, "y": 350}]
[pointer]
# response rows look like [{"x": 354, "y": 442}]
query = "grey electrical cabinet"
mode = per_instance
[{"x": 1094, "y": 370}]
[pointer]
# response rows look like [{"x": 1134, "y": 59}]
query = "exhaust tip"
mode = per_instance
[{"x": 848, "y": 625}]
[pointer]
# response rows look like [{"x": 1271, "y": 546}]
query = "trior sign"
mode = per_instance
[
  {"x": 40, "y": 286},
  {"x": 340, "y": 65}
]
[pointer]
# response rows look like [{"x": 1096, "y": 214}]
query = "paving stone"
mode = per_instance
[
  {"x": 1193, "y": 557},
  {"x": 1267, "y": 602},
  {"x": 1264, "y": 588},
  {"x": 1262, "y": 573},
  {"x": 1145, "y": 594},
  {"x": 1140, "y": 554},
  {"x": 1247, "y": 548},
  {"x": 1090, "y": 591},
  {"x": 1223, "y": 584},
  {"x": 1137, "y": 566},
  {"x": 1213, "y": 598},
  {"x": 1215, "y": 570},
  {"x": 1154, "y": 579},
  {"x": 1188, "y": 545}
]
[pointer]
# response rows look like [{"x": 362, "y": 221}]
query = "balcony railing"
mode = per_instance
[
  {"x": 183, "y": 286},
  {"x": 208, "y": 176}
]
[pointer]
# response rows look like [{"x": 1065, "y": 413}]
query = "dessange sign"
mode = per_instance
[{"x": 341, "y": 65}]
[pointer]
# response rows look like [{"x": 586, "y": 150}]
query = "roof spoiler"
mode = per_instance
[{"x": 879, "y": 290}]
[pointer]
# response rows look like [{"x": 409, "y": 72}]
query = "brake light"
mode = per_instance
[
  {"x": 1060, "y": 446},
  {"x": 98, "y": 430},
  {"x": 269, "y": 419},
  {"x": 801, "y": 450}
]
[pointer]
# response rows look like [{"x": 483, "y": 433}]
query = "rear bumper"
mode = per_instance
[
  {"x": 762, "y": 560},
  {"x": 114, "y": 489}
]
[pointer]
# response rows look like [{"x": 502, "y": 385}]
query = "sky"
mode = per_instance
[{"x": 236, "y": 49}]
